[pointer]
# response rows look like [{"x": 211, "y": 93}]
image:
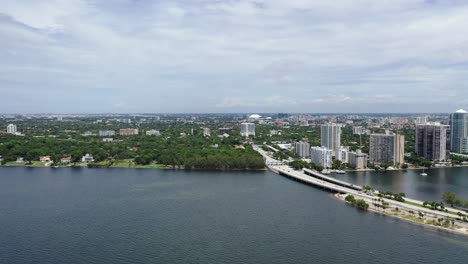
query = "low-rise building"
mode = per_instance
[
  {"x": 106, "y": 133},
  {"x": 153, "y": 132},
  {"x": 44, "y": 158},
  {"x": 66, "y": 160},
  {"x": 87, "y": 158},
  {"x": 128, "y": 131}
]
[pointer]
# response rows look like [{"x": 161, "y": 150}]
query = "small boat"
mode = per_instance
[
  {"x": 423, "y": 173},
  {"x": 340, "y": 171}
]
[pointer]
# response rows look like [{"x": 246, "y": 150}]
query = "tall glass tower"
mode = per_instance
[{"x": 459, "y": 131}]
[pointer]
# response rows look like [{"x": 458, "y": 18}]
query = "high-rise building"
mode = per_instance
[
  {"x": 343, "y": 154},
  {"x": 128, "y": 132},
  {"x": 431, "y": 141},
  {"x": 302, "y": 149},
  {"x": 223, "y": 132},
  {"x": 106, "y": 133},
  {"x": 206, "y": 132},
  {"x": 459, "y": 131},
  {"x": 322, "y": 156},
  {"x": 358, "y": 130},
  {"x": 331, "y": 136},
  {"x": 387, "y": 148},
  {"x": 11, "y": 129},
  {"x": 247, "y": 129},
  {"x": 358, "y": 159}
]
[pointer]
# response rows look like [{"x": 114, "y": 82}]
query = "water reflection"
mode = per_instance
[{"x": 428, "y": 187}]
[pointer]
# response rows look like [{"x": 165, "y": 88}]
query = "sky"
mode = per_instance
[{"x": 136, "y": 56}]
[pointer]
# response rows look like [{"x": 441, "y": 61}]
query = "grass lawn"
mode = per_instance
[
  {"x": 413, "y": 218},
  {"x": 129, "y": 164},
  {"x": 34, "y": 164}
]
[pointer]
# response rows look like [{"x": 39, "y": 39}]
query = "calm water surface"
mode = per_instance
[
  {"x": 164, "y": 216},
  {"x": 427, "y": 188}
]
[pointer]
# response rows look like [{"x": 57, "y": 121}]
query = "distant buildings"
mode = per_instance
[
  {"x": 302, "y": 149},
  {"x": 358, "y": 159},
  {"x": 88, "y": 133},
  {"x": 223, "y": 132},
  {"x": 420, "y": 120},
  {"x": 331, "y": 136},
  {"x": 153, "y": 132},
  {"x": 128, "y": 132},
  {"x": 106, "y": 133},
  {"x": 459, "y": 131},
  {"x": 322, "y": 156},
  {"x": 431, "y": 141},
  {"x": 87, "y": 158},
  {"x": 206, "y": 132},
  {"x": 247, "y": 129},
  {"x": 275, "y": 132},
  {"x": 387, "y": 149},
  {"x": 358, "y": 130},
  {"x": 11, "y": 129}
]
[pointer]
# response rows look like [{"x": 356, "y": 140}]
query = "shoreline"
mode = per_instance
[
  {"x": 162, "y": 167},
  {"x": 463, "y": 230}
]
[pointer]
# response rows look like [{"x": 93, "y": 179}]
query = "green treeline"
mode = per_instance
[{"x": 191, "y": 152}]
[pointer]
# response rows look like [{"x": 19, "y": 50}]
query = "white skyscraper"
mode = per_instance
[
  {"x": 11, "y": 129},
  {"x": 206, "y": 132},
  {"x": 331, "y": 136},
  {"x": 247, "y": 129},
  {"x": 343, "y": 154},
  {"x": 322, "y": 156},
  {"x": 302, "y": 149}
]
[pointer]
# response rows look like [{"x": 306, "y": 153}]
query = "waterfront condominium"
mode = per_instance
[
  {"x": 431, "y": 141},
  {"x": 384, "y": 148},
  {"x": 358, "y": 159},
  {"x": 331, "y": 136},
  {"x": 302, "y": 149},
  {"x": 343, "y": 154},
  {"x": 247, "y": 129},
  {"x": 11, "y": 129},
  {"x": 459, "y": 131},
  {"x": 322, "y": 156}
]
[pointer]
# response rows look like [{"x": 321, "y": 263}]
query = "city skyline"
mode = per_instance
[{"x": 84, "y": 56}]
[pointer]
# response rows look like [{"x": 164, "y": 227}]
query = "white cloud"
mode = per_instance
[{"x": 331, "y": 53}]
